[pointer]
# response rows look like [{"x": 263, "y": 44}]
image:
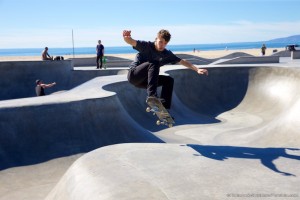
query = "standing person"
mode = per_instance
[
  {"x": 144, "y": 70},
  {"x": 40, "y": 86},
  {"x": 45, "y": 54},
  {"x": 100, "y": 54},
  {"x": 263, "y": 49}
]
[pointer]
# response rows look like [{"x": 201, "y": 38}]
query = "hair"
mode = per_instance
[{"x": 165, "y": 34}]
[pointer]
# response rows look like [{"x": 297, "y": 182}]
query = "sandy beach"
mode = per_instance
[{"x": 204, "y": 54}]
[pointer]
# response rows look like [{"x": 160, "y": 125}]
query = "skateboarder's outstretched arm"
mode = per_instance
[
  {"x": 193, "y": 67},
  {"x": 128, "y": 39},
  {"x": 47, "y": 85}
]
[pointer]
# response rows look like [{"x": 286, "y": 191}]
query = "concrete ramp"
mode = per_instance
[
  {"x": 112, "y": 61},
  {"x": 237, "y": 135},
  {"x": 18, "y": 77},
  {"x": 220, "y": 61},
  {"x": 258, "y": 110},
  {"x": 34, "y": 130},
  {"x": 176, "y": 171},
  {"x": 250, "y": 60}
]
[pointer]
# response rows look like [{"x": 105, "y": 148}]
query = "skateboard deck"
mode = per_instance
[
  {"x": 104, "y": 62},
  {"x": 160, "y": 111}
]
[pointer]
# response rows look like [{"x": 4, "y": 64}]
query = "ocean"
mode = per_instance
[{"x": 128, "y": 49}]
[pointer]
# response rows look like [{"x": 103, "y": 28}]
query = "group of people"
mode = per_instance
[{"x": 144, "y": 70}]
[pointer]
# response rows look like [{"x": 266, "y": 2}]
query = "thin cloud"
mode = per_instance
[{"x": 238, "y": 31}]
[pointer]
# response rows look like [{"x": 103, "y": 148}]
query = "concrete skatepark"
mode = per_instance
[{"x": 236, "y": 133}]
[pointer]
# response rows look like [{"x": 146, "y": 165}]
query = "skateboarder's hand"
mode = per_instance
[
  {"x": 127, "y": 38},
  {"x": 126, "y": 33},
  {"x": 202, "y": 71}
]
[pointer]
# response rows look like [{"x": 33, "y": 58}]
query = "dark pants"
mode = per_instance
[
  {"x": 146, "y": 75},
  {"x": 97, "y": 61}
]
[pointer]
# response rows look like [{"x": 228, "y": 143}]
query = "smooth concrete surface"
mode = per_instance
[
  {"x": 251, "y": 60},
  {"x": 204, "y": 61},
  {"x": 180, "y": 171},
  {"x": 295, "y": 54},
  {"x": 236, "y": 136},
  {"x": 18, "y": 78},
  {"x": 285, "y": 53},
  {"x": 111, "y": 61}
]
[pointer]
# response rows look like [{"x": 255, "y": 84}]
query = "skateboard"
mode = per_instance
[
  {"x": 160, "y": 111},
  {"x": 104, "y": 62}
]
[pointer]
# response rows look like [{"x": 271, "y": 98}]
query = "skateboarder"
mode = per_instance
[
  {"x": 144, "y": 71},
  {"x": 40, "y": 86}
]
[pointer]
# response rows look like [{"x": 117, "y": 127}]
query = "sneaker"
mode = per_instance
[{"x": 162, "y": 100}]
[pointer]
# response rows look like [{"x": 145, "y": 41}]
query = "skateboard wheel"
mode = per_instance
[
  {"x": 148, "y": 109},
  {"x": 157, "y": 122},
  {"x": 170, "y": 125}
]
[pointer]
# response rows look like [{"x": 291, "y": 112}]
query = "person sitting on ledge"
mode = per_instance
[
  {"x": 40, "y": 86},
  {"x": 45, "y": 55}
]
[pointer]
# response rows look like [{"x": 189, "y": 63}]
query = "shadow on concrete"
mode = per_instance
[{"x": 267, "y": 156}]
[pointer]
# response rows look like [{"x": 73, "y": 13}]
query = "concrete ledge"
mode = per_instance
[
  {"x": 112, "y": 61},
  {"x": 84, "y": 61},
  {"x": 18, "y": 77},
  {"x": 251, "y": 60},
  {"x": 76, "y": 121},
  {"x": 295, "y": 55}
]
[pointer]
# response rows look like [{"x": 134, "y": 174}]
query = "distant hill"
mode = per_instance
[{"x": 294, "y": 39}]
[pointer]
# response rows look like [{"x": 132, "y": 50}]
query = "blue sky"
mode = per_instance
[{"x": 38, "y": 23}]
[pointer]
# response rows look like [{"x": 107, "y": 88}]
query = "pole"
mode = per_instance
[{"x": 73, "y": 44}]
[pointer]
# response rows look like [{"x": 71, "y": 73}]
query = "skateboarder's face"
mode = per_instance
[{"x": 160, "y": 43}]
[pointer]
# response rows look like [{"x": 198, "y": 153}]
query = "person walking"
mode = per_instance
[
  {"x": 100, "y": 54},
  {"x": 263, "y": 49},
  {"x": 144, "y": 70}
]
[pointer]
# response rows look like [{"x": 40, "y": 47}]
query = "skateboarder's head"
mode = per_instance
[
  {"x": 38, "y": 81},
  {"x": 165, "y": 34},
  {"x": 162, "y": 39}
]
